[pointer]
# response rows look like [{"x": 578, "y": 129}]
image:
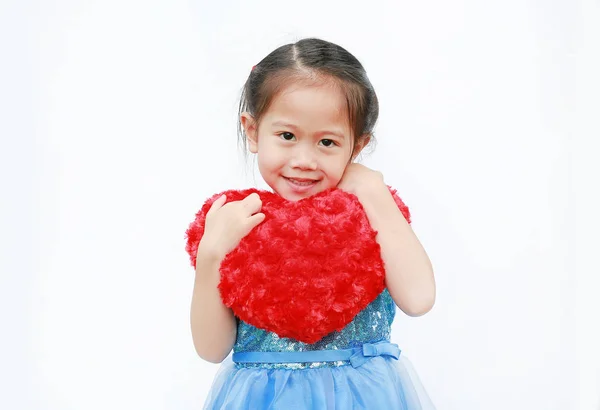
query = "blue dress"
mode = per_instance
[{"x": 355, "y": 368}]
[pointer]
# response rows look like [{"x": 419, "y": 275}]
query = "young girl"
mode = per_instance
[{"x": 307, "y": 110}]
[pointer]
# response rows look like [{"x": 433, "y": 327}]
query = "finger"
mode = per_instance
[
  {"x": 252, "y": 203},
  {"x": 256, "y": 219},
  {"x": 217, "y": 204},
  {"x": 252, "y": 197}
]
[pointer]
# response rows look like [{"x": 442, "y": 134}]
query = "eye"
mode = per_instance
[
  {"x": 288, "y": 136},
  {"x": 328, "y": 143}
]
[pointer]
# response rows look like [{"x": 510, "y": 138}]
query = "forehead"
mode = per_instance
[{"x": 310, "y": 106}]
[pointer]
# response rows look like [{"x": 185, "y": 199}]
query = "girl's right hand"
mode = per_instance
[{"x": 227, "y": 223}]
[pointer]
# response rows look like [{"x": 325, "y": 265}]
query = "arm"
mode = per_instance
[
  {"x": 409, "y": 274},
  {"x": 214, "y": 328}
]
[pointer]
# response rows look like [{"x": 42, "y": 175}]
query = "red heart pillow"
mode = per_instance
[{"x": 308, "y": 269}]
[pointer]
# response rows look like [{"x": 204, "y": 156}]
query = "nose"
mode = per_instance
[{"x": 304, "y": 158}]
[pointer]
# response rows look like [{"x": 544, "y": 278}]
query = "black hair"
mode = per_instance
[{"x": 311, "y": 59}]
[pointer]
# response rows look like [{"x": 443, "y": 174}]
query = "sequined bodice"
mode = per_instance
[{"x": 372, "y": 324}]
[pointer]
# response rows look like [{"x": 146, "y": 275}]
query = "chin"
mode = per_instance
[{"x": 295, "y": 196}]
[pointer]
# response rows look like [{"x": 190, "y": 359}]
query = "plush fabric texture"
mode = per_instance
[{"x": 307, "y": 270}]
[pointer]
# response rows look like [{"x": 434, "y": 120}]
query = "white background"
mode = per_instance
[{"x": 118, "y": 121}]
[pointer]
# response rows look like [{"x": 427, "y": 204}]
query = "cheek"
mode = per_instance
[
  {"x": 336, "y": 171},
  {"x": 269, "y": 157}
]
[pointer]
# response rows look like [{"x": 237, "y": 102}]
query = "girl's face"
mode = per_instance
[{"x": 303, "y": 142}]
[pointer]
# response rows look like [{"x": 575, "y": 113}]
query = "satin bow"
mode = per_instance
[{"x": 370, "y": 350}]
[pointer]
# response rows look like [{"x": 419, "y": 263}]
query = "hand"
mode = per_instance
[
  {"x": 357, "y": 177},
  {"x": 227, "y": 224}
]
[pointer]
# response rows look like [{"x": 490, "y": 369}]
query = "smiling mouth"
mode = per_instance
[{"x": 303, "y": 182}]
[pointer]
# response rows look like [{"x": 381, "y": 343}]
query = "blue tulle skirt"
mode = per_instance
[{"x": 382, "y": 382}]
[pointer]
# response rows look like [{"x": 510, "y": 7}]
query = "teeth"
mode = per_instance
[{"x": 302, "y": 183}]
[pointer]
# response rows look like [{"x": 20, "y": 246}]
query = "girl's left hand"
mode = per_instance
[{"x": 357, "y": 176}]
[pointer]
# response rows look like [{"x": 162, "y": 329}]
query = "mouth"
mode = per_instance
[{"x": 301, "y": 184}]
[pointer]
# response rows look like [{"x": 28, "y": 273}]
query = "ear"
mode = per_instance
[
  {"x": 251, "y": 131},
  {"x": 363, "y": 141}
]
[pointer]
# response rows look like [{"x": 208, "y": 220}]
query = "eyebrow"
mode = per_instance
[{"x": 338, "y": 134}]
